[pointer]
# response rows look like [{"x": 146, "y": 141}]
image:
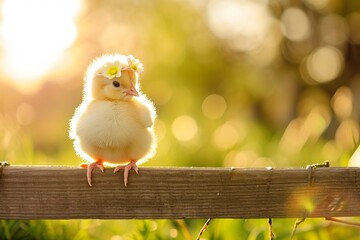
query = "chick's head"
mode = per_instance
[
  {"x": 117, "y": 88},
  {"x": 113, "y": 77}
]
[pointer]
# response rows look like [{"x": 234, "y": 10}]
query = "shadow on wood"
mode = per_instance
[{"x": 40, "y": 192}]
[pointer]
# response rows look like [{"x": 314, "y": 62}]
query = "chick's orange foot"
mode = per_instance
[
  {"x": 90, "y": 167},
  {"x": 131, "y": 165}
]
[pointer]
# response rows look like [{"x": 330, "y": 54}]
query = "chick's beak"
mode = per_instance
[{"x": 131, "y": 92}]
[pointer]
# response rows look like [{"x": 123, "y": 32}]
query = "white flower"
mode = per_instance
[
  {"x": 135, "y": 64},
  {"x": 111, "y": 70}
]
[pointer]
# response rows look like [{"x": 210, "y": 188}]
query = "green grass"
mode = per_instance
[{"x": 317, "y": 229}]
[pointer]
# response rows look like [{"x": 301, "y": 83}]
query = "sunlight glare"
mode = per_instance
[{"x": 34, "y": 36}]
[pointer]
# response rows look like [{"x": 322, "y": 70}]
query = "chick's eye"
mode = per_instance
[{"x": 116, "y": 84}]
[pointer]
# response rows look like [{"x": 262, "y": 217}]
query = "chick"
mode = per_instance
[{"x": 114, "y": 123}]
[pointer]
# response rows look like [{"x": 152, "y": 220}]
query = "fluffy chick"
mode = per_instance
[{"x": 114, "y": 123}]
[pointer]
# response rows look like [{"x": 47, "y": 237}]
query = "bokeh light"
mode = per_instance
[
  {"x": 325, "y": 64},
  {"x": 347, "y": 134},
  {"x": 317, "y": 4},
  {"x": 244, "y": 158},
  {"x": 184, "y": 128},
  {"x": 243, "y": 24},
  {"x": 342, "y": 103},
  {"x": 225, "y": 137},
  {"x": 295, "y": 24},
  {"x": 214, "y": 106}
]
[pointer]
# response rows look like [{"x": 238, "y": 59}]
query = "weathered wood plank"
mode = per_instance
[{"x": 167, "y": 193}]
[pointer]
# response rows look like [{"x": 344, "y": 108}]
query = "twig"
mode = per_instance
[
  {"x": 297, "y": 223},
  {"x": 203, "y": 229},
  {"x": 271, "y": 234},
  {"x": 342, "y": 221}
]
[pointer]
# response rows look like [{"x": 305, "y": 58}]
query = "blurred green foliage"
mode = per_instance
[{"x": 236, "y": 83}]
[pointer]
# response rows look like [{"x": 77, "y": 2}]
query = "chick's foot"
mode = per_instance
[
  {"x": 90, "y": 167},
  {"x": 131, "y": 165}
]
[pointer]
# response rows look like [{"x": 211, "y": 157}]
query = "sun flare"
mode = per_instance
[{"x": 33, "y": 35}]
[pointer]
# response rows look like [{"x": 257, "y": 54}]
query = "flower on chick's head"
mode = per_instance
[
  {"x": 135, "y": 64},
  {"x": 111, "y": 70}
]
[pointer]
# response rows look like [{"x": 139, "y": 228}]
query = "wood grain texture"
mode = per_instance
[{"x": 40, "y": 192}]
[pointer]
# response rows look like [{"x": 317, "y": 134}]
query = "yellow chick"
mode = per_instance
[{"x": 114, "y": 123}]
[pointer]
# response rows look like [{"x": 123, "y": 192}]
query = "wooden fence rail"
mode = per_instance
[{"x": 40, "y": 192}]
